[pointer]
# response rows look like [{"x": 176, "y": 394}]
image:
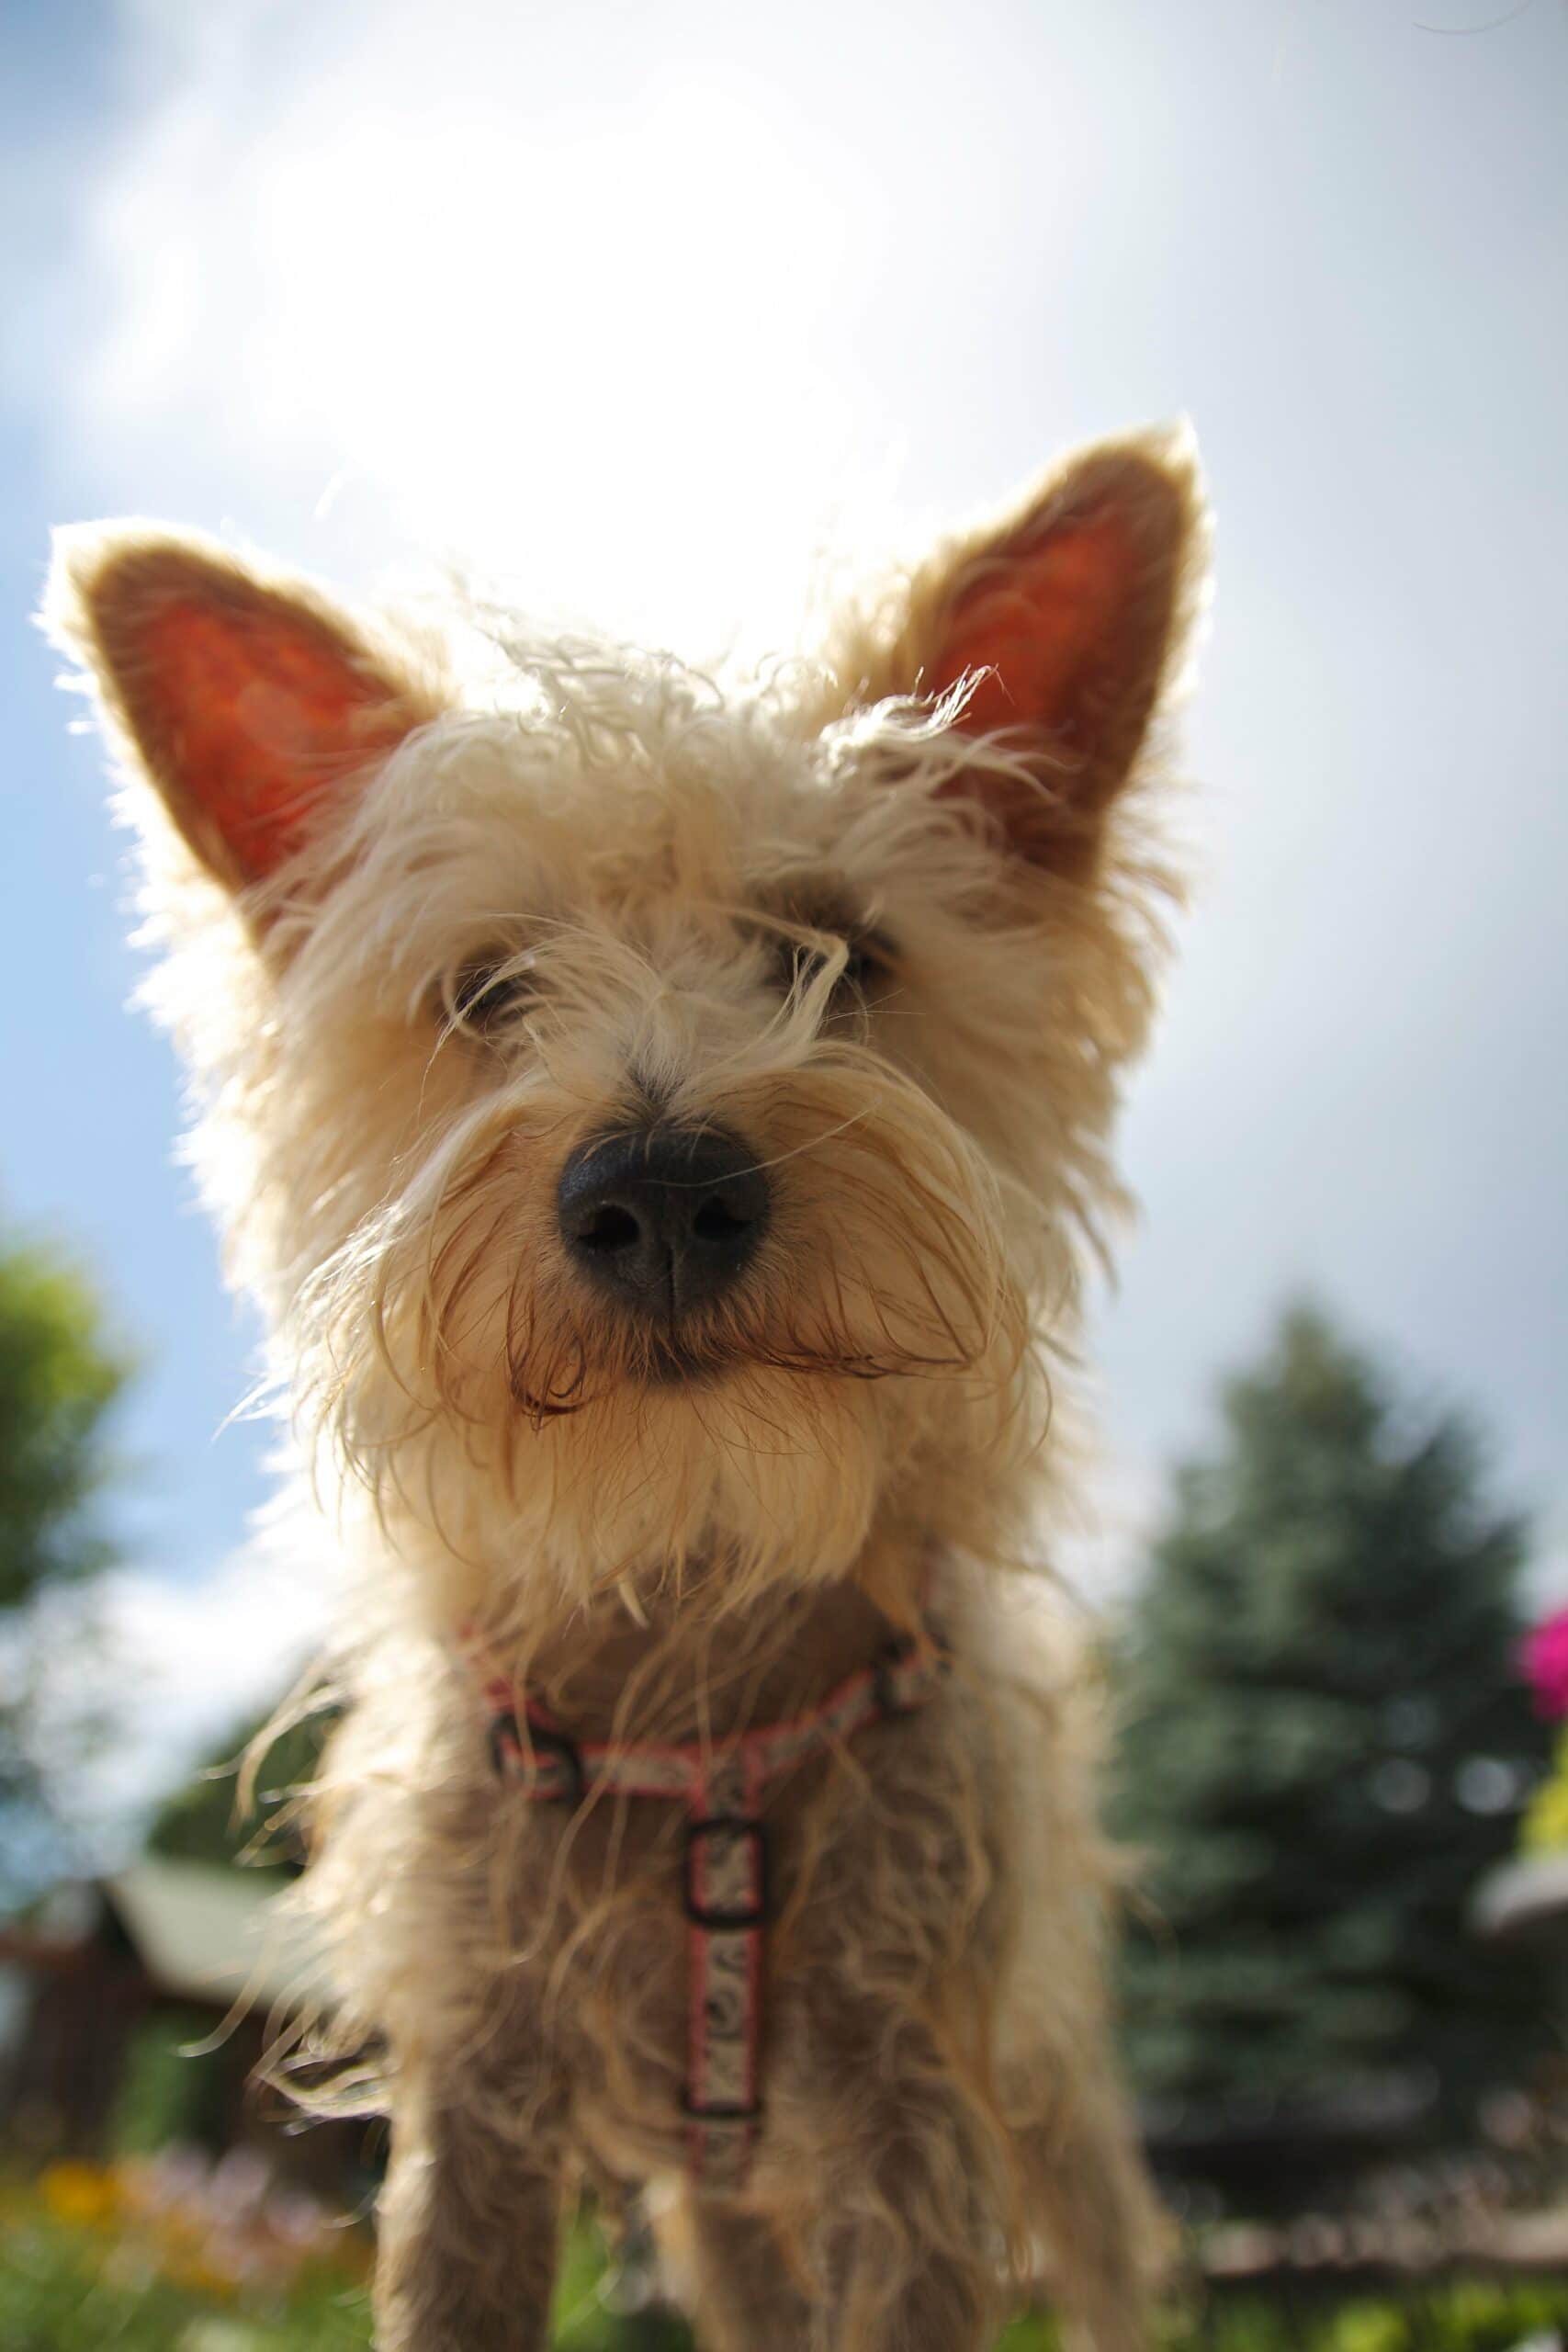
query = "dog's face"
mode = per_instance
[{"x": 660, "y": 1124}]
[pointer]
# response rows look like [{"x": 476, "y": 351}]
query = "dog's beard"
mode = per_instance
[{"x": 466, "y": 1370}]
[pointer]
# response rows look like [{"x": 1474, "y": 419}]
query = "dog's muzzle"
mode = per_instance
[{"x": 664, "y": 1220}]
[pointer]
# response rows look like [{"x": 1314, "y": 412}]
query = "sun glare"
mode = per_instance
[{"x": 518, "y": 347}]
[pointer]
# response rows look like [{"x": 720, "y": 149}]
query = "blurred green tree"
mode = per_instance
[
  {"x": 59, "y": 1378},
  {"x": 204, "y": 1820},
  {"x": 1327, "y": 1741}
]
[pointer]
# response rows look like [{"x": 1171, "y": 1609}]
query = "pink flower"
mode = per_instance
[{"x": 1545, "y": 1661}]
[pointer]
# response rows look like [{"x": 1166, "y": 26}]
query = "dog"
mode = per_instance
[{"x": 666, "y": 1125}]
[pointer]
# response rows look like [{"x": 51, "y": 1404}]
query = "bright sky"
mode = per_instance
[{"x": 639, "y": 307}]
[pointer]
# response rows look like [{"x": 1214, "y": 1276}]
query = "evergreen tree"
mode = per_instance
[{"x": 1327, "y": 1742}]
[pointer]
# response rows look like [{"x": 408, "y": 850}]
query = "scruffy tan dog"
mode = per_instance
[{"x": 665, "y": 1128}]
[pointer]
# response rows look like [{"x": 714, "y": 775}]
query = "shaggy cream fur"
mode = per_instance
[{"x": 892, "y": 918}]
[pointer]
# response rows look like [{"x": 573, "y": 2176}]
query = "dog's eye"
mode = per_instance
[
  {"x": 488, "y": 993},
  {"x": 868, "y": 965}
]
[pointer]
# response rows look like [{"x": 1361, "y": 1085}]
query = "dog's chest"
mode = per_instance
[
  {"x": 667, "y": 1978},
  {"x": 683, "y": 1968}
]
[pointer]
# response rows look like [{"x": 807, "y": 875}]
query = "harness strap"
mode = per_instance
[{"x": 724, "y": 1890}]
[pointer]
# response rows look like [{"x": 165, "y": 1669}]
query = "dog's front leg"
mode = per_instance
[
  {"x": 1102, "y": 2223},
  {"x": 903, "y": 2245},
  {"x": 733, "y": 2276},
  {"x": 469, "y": 2220},
  {"x": 888, "y": 2298}
]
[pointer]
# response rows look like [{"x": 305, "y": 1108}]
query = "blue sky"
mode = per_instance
[{"x": 638, "y": 307}]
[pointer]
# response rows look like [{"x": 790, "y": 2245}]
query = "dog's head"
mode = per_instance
[{"x": 661, "y": 1123}]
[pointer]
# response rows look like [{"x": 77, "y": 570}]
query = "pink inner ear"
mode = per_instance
[
  {"x": 1043, "y": 621},
  {"x": 262, "y": 714}
]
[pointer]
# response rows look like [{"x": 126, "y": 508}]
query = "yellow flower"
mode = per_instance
[{"x": 82, "y": 2195}]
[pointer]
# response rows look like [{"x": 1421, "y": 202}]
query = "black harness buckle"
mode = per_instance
[
  {"x": 720, "y": 2111},
  {"x": 726, "y": 1824},
  {"x": 511, "y": 1746}
]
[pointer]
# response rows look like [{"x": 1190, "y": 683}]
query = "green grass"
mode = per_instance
[
  {"x": 62, "y": 2291},
  {"x": 79, "y": 2273}
]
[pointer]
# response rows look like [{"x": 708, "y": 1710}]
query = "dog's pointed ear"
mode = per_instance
[
  {"x": 1063, "y": 623},
  {"x": 250, "y": 703}
]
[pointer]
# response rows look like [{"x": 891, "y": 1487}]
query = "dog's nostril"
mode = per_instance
[
  {"x": 716, "y": 1220},
  {"x": 609, "y": 1228}
]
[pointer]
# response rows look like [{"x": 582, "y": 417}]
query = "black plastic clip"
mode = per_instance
[
  {"x": 544, "y": 1741},
  {"x": 719, "y": 2112},
  {"x": 511, "y": 1749}
]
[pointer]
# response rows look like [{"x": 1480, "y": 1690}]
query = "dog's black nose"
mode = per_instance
[{"x": 665, "y": 1219}]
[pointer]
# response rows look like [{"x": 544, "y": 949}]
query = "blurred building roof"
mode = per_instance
[
  {"x": 200, "y": 1931},
  {"x": 207, "y": 1932}
]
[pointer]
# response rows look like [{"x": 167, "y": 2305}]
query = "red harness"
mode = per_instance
[{"x": 725, "y": 1865}]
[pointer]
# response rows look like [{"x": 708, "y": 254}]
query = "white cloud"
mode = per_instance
[{"x": 168, "y": 1667}]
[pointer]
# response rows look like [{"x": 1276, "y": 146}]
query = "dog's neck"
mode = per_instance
[{"x": 667, "y": 1667}]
